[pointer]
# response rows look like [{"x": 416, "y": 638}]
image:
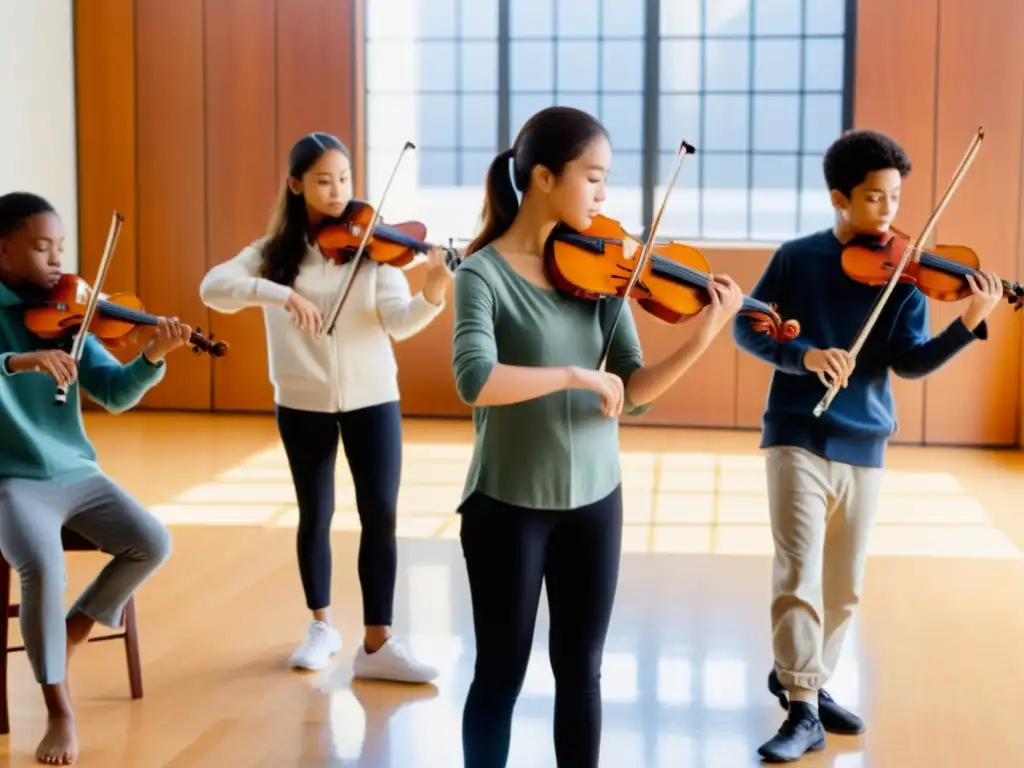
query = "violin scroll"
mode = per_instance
[
  {"x": 207, "y": 344},
  {"x": 772, "y": 325},
  {"x": 1014, "y": 295}
]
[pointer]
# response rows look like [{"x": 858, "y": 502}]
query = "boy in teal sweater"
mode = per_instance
[{"x": 49, "y": 477}]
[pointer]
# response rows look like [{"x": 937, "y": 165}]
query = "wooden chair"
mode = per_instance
[{"x": 130, "y": 633}]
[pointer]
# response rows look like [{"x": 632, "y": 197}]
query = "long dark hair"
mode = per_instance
[
  {"x": 286, "y": 247},
  {"x": 552, "y": 138}
]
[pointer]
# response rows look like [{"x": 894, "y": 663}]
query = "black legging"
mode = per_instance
[
  {"x": 372, "y": 438},
  {"x": 509, "y": 551}
]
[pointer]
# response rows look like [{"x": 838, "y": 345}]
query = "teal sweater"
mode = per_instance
[
  {"x": 553, "y": 452},
  {"x": 39, "y": 439}
]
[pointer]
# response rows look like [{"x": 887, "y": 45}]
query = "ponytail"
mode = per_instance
[
  {"x": 501, "y": 203},
  {"x": 552, "y": 138}
]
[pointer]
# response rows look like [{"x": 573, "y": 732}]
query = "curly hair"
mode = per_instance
[{"x": 857, "y": 153}]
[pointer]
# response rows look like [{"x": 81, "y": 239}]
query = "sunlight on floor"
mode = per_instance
[{"x": 679, "y": 503}]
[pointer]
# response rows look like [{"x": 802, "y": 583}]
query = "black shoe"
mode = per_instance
[
  {"x": 801, "y": 733},
  {"x": 834, "y": 718}
]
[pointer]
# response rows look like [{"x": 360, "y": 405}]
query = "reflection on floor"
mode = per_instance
[
  {"x": 932, "y": 664},
  {"x": 682, "y": 498}
]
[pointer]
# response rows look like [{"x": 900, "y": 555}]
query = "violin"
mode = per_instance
[
  {"x": 61, "y": 313},
  {"x": 940, "y": 273},
  {"x": 395, "y": 244},
  {"x": 672, "y": 286}
]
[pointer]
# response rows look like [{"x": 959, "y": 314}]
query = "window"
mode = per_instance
[
  {"x": 431, "y": 78},
  {"x": 759, "y": 88},
  {"x": 587, "y": 54}
]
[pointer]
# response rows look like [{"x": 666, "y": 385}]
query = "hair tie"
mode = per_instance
[{"x": 512, "y": 173}]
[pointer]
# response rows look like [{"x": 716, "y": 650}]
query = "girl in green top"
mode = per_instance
[{"x": 543, "y": 500}]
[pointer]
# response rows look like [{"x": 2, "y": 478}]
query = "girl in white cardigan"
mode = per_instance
[{"x": 325, "y": 384}]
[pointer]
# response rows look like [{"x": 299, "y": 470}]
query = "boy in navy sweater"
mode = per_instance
[{"x": 824, "y": 474}]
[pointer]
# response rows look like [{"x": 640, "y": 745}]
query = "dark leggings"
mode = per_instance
[
  {"x": 372, "y": 438},
  {"x": 509, "y": 551}
]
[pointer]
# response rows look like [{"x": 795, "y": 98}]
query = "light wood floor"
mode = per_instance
[{"x": 933, "y": 664}]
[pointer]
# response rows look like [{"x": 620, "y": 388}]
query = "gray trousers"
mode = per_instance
[{"x": 32, "y": 513}]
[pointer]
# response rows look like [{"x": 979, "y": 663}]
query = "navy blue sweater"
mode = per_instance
[{"x": 805, "y": 279}]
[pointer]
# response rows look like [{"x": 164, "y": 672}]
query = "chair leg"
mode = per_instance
[
  {"x": 131, "y": 648},
  {"x": 5, "y": 593}
]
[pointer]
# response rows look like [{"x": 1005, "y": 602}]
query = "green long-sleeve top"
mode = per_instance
[{"x": 552, "y": 452}]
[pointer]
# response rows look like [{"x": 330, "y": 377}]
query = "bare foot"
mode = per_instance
[{"x": 60, "y": 744}]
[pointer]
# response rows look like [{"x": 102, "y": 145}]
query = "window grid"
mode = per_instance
[
  {"x": 554, "y": 39},
  {"x": 633, "y": 157},
  {"x": 801, "y": 116},
  {"x": 655, "y": 159},
  {"x": 458, "y": 148},
  {"x": 702, "y": 96},
  {"x": 748, "y": 92},
  {"x": 615, "y": 38}
]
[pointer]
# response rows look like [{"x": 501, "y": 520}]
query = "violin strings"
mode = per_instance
[{"x": 661, "y": 266}]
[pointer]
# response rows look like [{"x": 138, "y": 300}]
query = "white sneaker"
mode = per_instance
[
  {"x": 322, "y": 641},
  {"x": 391, "y": 662}
]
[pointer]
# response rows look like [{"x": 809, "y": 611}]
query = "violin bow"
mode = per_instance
[
  {"x": 78, "y": 345},
  {"x": 336, "y": 310},
  {"x": 685, "y": 148},
  {"x": 912, "y": 248}
]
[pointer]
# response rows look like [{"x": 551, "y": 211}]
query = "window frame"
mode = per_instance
[{"x": 651, "y": 95}]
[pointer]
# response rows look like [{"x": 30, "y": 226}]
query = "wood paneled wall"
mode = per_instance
[
  {"x": 965, "y": 70},
  {"x": 187, "y": 111}
]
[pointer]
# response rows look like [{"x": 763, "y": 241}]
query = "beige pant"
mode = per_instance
[{"x": 821, "y": 516}]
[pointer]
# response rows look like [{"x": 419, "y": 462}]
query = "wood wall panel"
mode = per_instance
[
  {"x": 902, "y": 106},
  {"x": 705, "y": 395},
  {"x": 1019, "y": 276},
  {"x": 105, "y": 82},
  {"x": 975, "y": 398},
  {"x": 753, "y": 377},
  {"x": 105, "y": 85},
  {"x": 172, "y": 206},
  {"x": 187, "y": 133},
  {"x": 316, "y": 71},
  {"x": 425, "y": 377},
  {"x": 242, "y": 175}
]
